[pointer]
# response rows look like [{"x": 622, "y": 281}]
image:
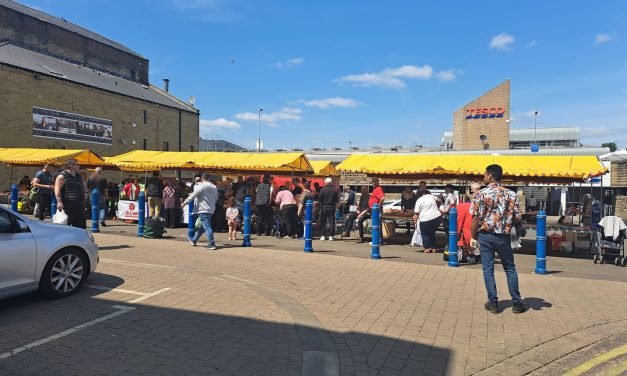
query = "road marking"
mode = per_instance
[
  {"x": 121, "y": 310},
  {"x": 617, "y": 370},
  {"x": 238, "y": 279},
  {"x": 149, "y": 295},
  {"x": 130, "y": 263},
  {"x": 114, "y": 289},
  {"x": 585, "y": 367}
]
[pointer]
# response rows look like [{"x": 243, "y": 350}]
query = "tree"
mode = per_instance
[{"x": 611, "y": 145}]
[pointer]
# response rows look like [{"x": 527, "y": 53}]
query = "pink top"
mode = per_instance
[{"x": 285, "y": 197}]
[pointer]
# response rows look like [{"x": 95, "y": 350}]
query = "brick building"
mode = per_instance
[
  {"x": 66, "y": 87},
  {"x": 483, "y": 123}
]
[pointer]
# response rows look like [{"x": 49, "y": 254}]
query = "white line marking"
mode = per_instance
[
  {"x": 121, "y": 310},
  {"x": 149, "y": 295},
  {"x": 114, "y": 261},
  {"x": 238, "y": 279},
  {"x": 114, "y": 289}
]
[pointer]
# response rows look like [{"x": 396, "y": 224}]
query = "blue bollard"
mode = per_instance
[
  {"x": 95, "y": 210},
  {"x": 247, "y": 217},
  {"x": 53, "y": 206},
  {"x": 541, "y": 243},
  {"x": 308, "y": 226},
  {"x": 452, "y": 238},
  {"x": 376, "y": 229},
  {"x": 14, "y": 197},
  {"x": 141, "y": 216},
  {"x": 191, "y": 221}
]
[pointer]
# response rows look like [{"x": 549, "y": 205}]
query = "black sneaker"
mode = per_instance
[
  {"x": 103, "y": 224},
  {"x": 492, "y": 307},
  {"x": 519, "y": 308}
]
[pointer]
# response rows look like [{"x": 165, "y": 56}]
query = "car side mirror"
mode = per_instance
[{"x": 22, "y": 226}]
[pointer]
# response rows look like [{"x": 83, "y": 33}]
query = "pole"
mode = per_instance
[
  {"x": 376, "y": 228},
  {"x": 191, "y": 221},
  {"x": 308, "y": 226},
  {"x": 452, "y": 238},
  {"x": 141, "y": 202},
  {"x": 95, "y": 210},
  {"x": 53, "y": 206},
  {"x": 14, "y": 197},
  {"x": 11, "y": 178},
  {"x": 247, "y": 217},
  {"x": 541, "y": 243},
  {"x": 259, "y": 132}
]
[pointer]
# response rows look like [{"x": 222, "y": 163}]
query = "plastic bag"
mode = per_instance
[
  {"x": 60, "y": 217},
  {"x": 198, "y": 224},
  {"x": 416, "y": 239}
]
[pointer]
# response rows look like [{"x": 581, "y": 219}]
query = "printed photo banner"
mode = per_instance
[{"x": 68, "y": 126}]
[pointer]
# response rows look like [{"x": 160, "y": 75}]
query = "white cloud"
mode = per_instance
[
  {"x": 272, "y": 118},
  {"x": 602, "y": 38},
  {"x": 447, "y": 75},
  {"x": 330, "y": 102},
  {"x": 502, "y": 41},
  {"x": 291, "y": 63},
  {"x": 531, "y": 44},
  {"x": 390, "y": 77},
  {"x": 219, "y": 123}
]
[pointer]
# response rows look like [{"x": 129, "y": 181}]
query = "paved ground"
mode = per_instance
[{"x": 165, "y": 307}]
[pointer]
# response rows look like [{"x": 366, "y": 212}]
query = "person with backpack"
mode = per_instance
[
  {"x": 41, "y": 190},
  {"x": 205, "y": 196}
]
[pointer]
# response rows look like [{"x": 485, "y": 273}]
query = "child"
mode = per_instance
[{"x": 232, "y": 216}]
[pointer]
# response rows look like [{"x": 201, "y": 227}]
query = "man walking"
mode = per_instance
[
  {"x": 44, "y": 184},
  {"x": 154, "y": 192},
  {"x": 70, "y": 191},
  {"x": 99, "y": 182},
  {"x": 329, "y": 201},
  {"x": 263, "y": 200},
  {"x": 204, "y": 196},
  {"x": 495, "y": 209}
]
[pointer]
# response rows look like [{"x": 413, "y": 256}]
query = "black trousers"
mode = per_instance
[
  {"x": 264, "y": 219},
  {"x": 350, "y": 221},
  {"x": 44, "y": 205},
  {"x": 327, "y": 217},
  {"x": 360, "y": 224},
  {"x": 76, "y": 216},
  {"x": 291, "y": 220}
]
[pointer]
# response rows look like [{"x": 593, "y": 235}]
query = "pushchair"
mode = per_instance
[
  {"x": 609, "y": 241},
  {"x": 279, "y": 229}
]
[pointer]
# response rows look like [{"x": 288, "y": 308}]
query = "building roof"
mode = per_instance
[
  {"x": 62, "y": 23},
  {"x": 545, "y": 134},
  {"x": 45, "y": 65}
]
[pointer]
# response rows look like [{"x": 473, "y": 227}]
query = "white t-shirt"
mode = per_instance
[{"x": 427, "y": 208}]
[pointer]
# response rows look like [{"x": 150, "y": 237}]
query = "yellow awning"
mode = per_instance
[
  {"x": 522, "y": 168},
  {"x": 57, "y": 157},
  {"x": 219, "y": 162},
  {"x": 323, "y": 168}
]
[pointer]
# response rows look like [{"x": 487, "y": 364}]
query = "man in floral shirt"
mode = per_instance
[{"x": 495, "y": 209}]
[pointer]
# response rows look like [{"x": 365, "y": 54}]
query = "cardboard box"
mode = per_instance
[{"x": 389, "y": 229}]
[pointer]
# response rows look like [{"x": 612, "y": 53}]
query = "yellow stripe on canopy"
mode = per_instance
[{"x": 57, "y": 157}]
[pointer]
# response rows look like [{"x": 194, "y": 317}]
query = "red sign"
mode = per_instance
[{"x": 484, "y": 113}]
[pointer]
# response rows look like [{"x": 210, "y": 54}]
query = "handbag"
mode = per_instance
[{"x": 33, "y": 194}]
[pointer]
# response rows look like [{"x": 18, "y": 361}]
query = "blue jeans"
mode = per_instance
[
  {"x": 498, "y": 243},
  {"x": 205, "y": 220}
]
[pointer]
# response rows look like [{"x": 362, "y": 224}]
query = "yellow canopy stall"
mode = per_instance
[
  {"x": 554, "y": 169},
  {"x": 57, "y": 157},
  {"x": 219, "y": 162},
  {"x": 324, "y": 168}
]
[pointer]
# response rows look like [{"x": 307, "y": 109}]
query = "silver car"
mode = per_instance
[{"x": 54, "y": 259}]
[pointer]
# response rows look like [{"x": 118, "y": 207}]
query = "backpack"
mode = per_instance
[{"x": 33, "y": 194}]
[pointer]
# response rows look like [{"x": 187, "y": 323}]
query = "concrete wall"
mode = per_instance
[
  {"x": 38, "y": 35},
  {"x": 466, "y": 132},
  {"x": 21, "y": 91}
]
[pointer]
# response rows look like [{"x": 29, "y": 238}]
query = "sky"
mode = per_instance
[{"x": 363, "y": 73}]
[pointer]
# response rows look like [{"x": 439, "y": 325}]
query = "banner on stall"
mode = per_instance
[
  {"x": 129, "y": 210},
  {"x": 68, "y": 126}
]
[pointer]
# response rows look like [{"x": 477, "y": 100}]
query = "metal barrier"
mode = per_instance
[
  {"x": 191, "y": 222},
  {"x": 141, "y": 216},
  {"x": 14, "y": 197},
  {"x": 453, "y": 260},
  {"x": 541, "y": 243},
  {"x": 376, "y": 228},
  {"x": 308, "y": 226},
  {"x": 247, "y": 218}
]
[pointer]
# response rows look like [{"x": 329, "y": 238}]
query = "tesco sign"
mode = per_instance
[{"x": 483, "y": 113}]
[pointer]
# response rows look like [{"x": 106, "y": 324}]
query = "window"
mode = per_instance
[
  {"x": 6, "y": 226},
  {"x": 166, "y": 146},
  {"x": 145, "y": 144},
  {"x": 145, "y": 117},
  {"x": 191, "y": 147}
]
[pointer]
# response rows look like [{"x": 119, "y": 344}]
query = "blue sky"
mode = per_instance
[{"x": 371, "y": 72}]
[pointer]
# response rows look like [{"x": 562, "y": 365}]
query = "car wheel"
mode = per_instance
[{"x": 64, "y": 274}]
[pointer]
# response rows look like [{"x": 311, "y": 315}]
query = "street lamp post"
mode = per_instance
[
  {"x": 259, "y": 132},
  {"x": 350, "y": 147},
  {"x": 534, "y": 147}
]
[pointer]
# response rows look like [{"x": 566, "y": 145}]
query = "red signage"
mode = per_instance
[{"x": 484, "y": 113}]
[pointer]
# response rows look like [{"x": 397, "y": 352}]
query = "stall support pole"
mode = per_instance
[
  {"x": 53, "y": 206},
  {"x": 453, "y": 261},
  {"x": 376, "y": 228},
  {"x": 95, "y": 210},
  {"x": 141, "y": 216},
  {"x": 11, "y": 178},
  {"x": 247, "y": 218},
  {"x": 191, "y": 222},
  {"x": 541, "y": 243},
  {"x": 14, "y": 197},
  {"x": 308, "y": 226}
]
